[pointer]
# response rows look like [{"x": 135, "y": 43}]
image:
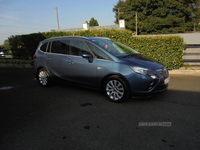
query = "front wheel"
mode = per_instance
[
  {"x": 44, "y": 78},
  {"x": 116, "y": 89}
]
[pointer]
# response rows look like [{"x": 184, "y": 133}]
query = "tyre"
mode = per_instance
[
  {"x": 116, "y": 89},
  {"x": 44, "y": 78}
]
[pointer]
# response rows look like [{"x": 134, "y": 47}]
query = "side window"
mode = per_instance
[
  {"x": 98, "y": 53},
  {"x": 78, "y": 47},
  {"x": 43, "y": 47},
  {"x": 60, "y": 47},
  {"x": 48, "y": 47}
]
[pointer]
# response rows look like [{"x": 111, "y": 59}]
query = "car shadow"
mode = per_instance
[{"x": 172, "y": 96}]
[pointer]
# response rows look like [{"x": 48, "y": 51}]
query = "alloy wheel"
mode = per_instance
[
  {"x": 114, "y": 90},
  {"x": 43, "y": 77}
]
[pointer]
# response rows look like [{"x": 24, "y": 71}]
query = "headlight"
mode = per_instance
[
  {"x": 140, "y": 70},
  {"x": 144, "y": 71}
]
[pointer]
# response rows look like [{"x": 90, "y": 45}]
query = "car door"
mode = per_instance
[
  {"x": 81, "y": 69},
  {"x": 105, "y": 64},
  {"x": 57, "y": 58}
]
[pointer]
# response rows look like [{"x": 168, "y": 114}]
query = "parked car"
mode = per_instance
[
  {"x": 99, "y": 63},
  {"x": 2, "y": 53}
]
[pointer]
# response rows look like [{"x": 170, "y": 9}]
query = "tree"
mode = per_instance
[
  {"x": 6, "y": 47},
  {"x": 155, "y": 16},
  {"x": 6, "y": 44},
  {"x": 93, "y": 22}
]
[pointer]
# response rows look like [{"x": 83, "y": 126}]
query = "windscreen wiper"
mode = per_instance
[{"x": 131, "y": 55}]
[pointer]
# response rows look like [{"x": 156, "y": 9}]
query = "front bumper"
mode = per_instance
[
  {"x": 149, "y": 94},
  {"x": 151, "y": 87}
]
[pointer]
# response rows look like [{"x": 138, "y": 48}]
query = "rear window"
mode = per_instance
[{"x": 43, "y": 47}]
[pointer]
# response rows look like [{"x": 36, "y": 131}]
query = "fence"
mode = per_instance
[
  {"x": 106, "y": 27},
  {"x": 95, "y": 27},
  {"x": 192, "y": 55}
]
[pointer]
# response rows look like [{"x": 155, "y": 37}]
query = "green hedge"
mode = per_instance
[
  {"x": 166, "y": 49},
  {"x": 16, "y": 61}
]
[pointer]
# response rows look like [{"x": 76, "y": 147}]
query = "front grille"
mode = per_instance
[{"x": 163, "y": 71}]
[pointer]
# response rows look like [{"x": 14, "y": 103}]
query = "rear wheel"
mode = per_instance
[
  {"x": 44, "y": 78},
  {"x": 116, "y": 89}
]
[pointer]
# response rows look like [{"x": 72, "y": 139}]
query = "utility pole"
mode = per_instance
[
  {"x": 57, "y": 18},
  {"x": 136, "y": 23},
  {"x": 119, "y": 12}
]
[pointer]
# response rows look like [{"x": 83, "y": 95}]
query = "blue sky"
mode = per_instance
[{"x": 31, "y": 16}]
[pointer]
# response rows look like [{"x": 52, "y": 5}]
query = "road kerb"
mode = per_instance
[{"x": 185, "y": 72}]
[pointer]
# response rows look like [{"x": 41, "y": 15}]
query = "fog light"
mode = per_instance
[
  {"x": 152, "y": 84},
  {"x": 153, "y": 77}
]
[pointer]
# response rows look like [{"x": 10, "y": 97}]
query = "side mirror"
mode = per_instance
[{"x": 88, "y": 56}]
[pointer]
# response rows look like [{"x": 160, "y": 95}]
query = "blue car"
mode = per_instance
[{"x": 100, "y": 63}]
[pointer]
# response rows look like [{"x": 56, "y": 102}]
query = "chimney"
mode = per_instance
[{"x": 86, "y": 25}]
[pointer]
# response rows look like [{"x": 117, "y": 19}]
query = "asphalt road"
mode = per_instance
[{"x": 66, "y": 117}]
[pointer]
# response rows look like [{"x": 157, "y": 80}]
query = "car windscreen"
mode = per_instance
[{"x": 115, "y": 48}]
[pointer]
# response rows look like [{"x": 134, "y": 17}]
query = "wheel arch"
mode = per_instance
[
  {"x": 109, "y": 75},
  {"x": 38, "y": 71}
]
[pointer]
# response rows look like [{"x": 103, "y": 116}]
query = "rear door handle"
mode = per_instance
[
  {"x": 70, "y": 62},
  {"x": 47, "y": 58}
]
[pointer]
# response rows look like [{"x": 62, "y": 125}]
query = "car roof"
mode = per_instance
[{"x": 73, "y": 37}]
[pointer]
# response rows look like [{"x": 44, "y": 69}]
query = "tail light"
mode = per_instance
[{"x": 34, "y": 56}]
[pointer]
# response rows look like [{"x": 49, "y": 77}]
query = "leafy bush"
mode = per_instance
[
  {"x": 24, "y": 46},
  {"x": 16, "y": 61},
  {"x": 166, "y": 49}
]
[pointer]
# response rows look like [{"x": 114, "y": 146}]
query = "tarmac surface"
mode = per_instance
[{"x": 69, "y": 117}]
